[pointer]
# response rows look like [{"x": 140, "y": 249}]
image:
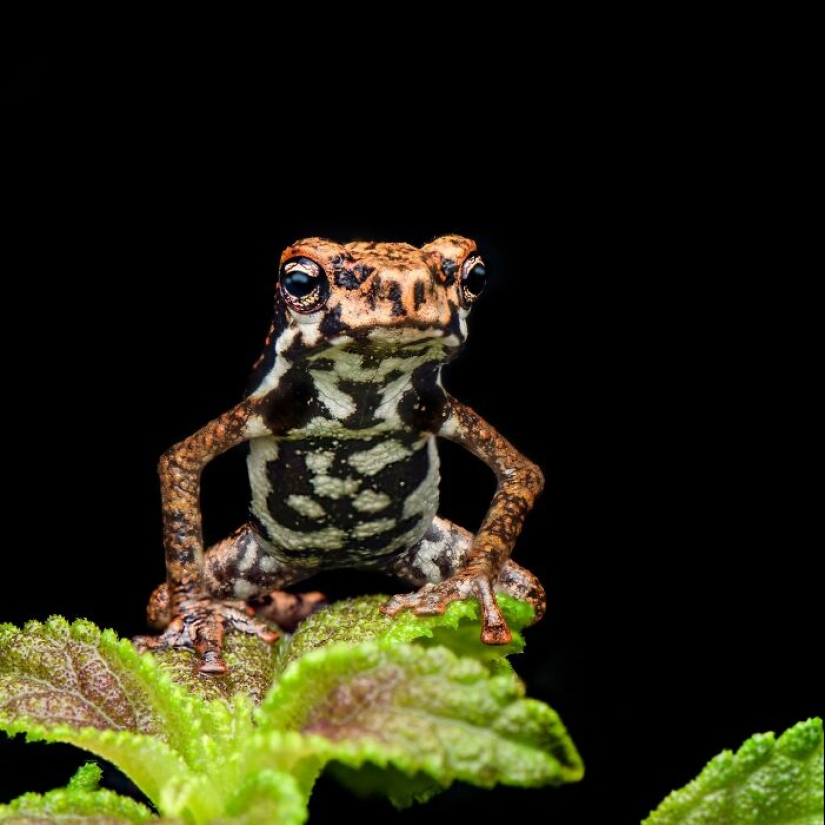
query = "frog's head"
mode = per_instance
[{"x": 382, "y": 295}]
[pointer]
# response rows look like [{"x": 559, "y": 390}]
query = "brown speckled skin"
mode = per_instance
[
  {"x": 345, "y": 404},
  {"x": 196, "y": 620}
]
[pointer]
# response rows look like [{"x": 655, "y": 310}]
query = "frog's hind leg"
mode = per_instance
[
  {"x": 521, "y": 584},
  {"x": 240, "y": 568},
  {"x": 440, "y": 555}
]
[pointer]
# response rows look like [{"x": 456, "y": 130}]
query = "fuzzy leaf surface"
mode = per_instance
[
  {"x": 352, "y": 621},
  {"x": 408, "y": 705},
  {"x": 74, "y": 683},
  {"x": 81, "y": 802},
  {"x": 55, "y": 673},
  {"x": 423, "y": 711},
  {"x": 768, "y": 781}
]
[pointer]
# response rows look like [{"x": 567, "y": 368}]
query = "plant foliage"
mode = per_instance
[
  {"x": 402, "y": 706},
  {"x": 768, "y": 781}
]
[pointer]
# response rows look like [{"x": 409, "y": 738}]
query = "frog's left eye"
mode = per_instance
[
  {"x": 473, "y": 278},
  {"x": 303, "y": 284}
]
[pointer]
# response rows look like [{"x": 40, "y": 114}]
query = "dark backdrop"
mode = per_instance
[{"x": 640, "y": 340}]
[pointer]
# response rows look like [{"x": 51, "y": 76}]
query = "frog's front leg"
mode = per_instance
[
  {"x": 486, "y": 567},
  {"x": 196, "y": 618}
]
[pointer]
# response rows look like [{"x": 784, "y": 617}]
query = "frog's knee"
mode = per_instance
[
  {"x": 521, "y": 584},
  {"x": 436, "y": 557},
  {"x": 242, "y": 567},
  {"x": 158, "y": 613}
]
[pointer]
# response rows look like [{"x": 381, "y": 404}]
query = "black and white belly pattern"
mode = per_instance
[
  {"x": 340, "y": 499},
  {"x": 350, "y": 475}
]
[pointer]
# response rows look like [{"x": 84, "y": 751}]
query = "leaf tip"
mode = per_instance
[
  {"x": 87, "y": 778},
  {"x": 803, "y": 739}
]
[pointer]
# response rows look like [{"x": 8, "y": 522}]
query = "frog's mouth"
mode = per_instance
[
  {"x": 396, "y": 343},
  {"x": 407, "y": 335},
  {"x": 317, "y": 332},
  {"x": 399, "y": 333}
]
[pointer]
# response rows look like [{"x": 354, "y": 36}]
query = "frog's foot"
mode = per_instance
[
  {"x": 288, "y": 610},
  {"x": 199, "y": 623},
  {"x": 432, "y": 600}
]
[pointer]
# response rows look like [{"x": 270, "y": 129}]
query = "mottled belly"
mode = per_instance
[{"x": 343, "y": 501}]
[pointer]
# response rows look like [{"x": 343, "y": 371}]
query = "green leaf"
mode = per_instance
[
  {"x": 55, "y": 673},
  {"x": 352, "y": 621},
  {"x": 268, "y": 796},
  {"x": 768, "y": 781},
  {"x": 421, "y": 711},
  {"x": 251, "y": 663},
  {"x": 80, "y": 803},
  {"x": 76, "y": 684},
  {"x": 419, "y": 701}
]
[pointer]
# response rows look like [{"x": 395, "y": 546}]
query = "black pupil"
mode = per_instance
[
  {"x": 298, "y": 283},
  {"x": 476, "y": 278}
]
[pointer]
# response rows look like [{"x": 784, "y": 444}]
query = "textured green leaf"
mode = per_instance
[
  {"x": 81, "y": 802},
  {"x": 419, "y": 701},
  {"x": 352, "y": 621},
  {"x": 147, "y": 761},
  {"x": 55, "y": 673},
  {"x": 268, "y": 796},
  {"x": 251, "y": 663},
  {"x": 768, "y": 781},
  {"x": 421, "y": 710},
  {"x": 76, "y": 684}
]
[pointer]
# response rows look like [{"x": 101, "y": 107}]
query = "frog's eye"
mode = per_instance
[
  {"x": 303, "y": 284},
  {"x": 473, "y": 278}
]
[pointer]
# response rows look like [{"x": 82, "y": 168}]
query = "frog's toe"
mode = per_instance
[
  {"x": 212, "y": 664},
  {"x": 494, "y": 629},
  {"x": 424, "y": 602},
  {"x": 432, "y": 600},
  {"x": 200, "y": 627},
  {"x": 429, "y": 604},
  {"x": 394, "y": 606}
]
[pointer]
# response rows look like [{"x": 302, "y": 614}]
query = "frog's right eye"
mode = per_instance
[{"x": 303, "y": 284}]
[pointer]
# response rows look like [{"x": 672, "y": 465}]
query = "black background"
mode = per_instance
[{"x": 641, "y": 340}]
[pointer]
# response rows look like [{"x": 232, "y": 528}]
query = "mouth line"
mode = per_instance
[{"x": 397, "y": 335}]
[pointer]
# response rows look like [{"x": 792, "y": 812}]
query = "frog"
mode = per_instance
[{"x": 341, "y": 421}]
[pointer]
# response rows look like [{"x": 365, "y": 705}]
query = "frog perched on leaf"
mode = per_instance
[{"x": 341, "y": 419}]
